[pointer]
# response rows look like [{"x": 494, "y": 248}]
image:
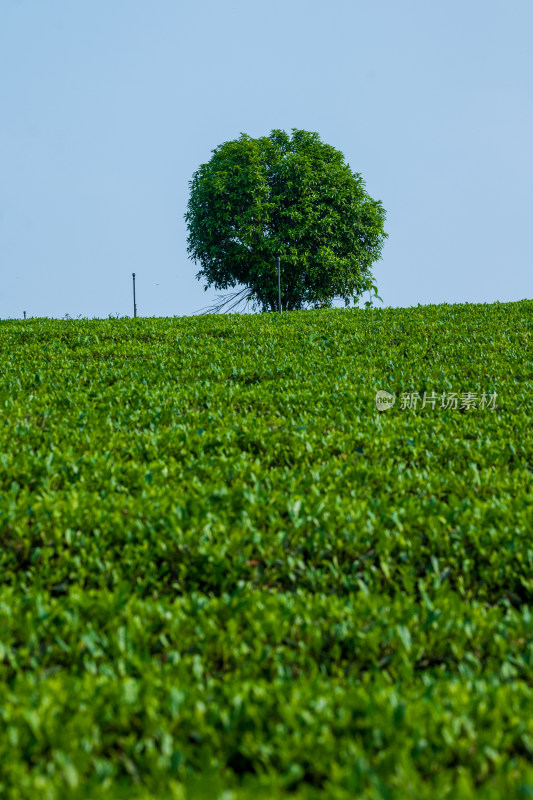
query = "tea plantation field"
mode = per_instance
[{"x": 224, "y": 573}]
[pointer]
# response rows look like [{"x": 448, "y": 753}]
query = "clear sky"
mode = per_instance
[{"x": 107, "y": 107}]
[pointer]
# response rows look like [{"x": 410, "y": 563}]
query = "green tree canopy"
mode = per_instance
[{"x": 288, "y": 196}]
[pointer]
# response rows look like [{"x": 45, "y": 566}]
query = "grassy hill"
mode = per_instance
[{"x": 223, "y": 569}]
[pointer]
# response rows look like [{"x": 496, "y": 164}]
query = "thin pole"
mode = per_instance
[
  {"x": 24, "y": 315},
  {"x": 279, "y": 285},
  {"x": 134, "y": 303}
]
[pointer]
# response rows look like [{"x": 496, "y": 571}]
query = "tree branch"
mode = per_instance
[{"x": 228, "y": 302}]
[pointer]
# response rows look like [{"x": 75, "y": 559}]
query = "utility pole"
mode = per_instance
[
  {"x": 24, "y": 315},
  {"x": 134, "y": 303},
  {"x": 279, "y": 284}
]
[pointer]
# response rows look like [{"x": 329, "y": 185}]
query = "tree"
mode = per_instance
[{"x": 288, "y": 196}]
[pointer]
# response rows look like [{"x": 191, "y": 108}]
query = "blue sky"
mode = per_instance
[{"x": 107, "y": 107}]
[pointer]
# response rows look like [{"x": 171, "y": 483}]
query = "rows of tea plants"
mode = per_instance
[{"x": 225, "y": 573}]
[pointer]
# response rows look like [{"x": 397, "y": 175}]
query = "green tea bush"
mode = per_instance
[{"x": 225, "y": 573}]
